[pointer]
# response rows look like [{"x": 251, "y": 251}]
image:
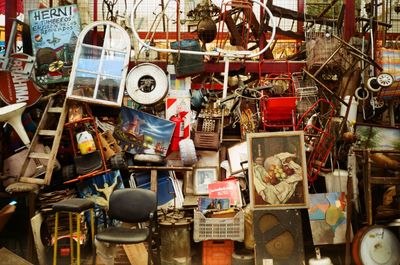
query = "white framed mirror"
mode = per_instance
[{"x": 100, "y": 64}]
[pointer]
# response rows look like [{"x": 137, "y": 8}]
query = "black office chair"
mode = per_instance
[{"x": 132, "y": 205}]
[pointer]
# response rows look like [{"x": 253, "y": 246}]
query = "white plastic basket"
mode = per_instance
[{"x": 218, "y": 228}]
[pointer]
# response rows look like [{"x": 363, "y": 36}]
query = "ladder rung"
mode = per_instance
[
  {"x": 32, "y": 180},
  {"x": 47, "y": 132},
  {"x": 39, "y": 155},
  {"x": 55, "y": 109}
]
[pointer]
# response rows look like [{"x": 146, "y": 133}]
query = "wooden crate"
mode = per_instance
[{"x": 207, "y": 133}]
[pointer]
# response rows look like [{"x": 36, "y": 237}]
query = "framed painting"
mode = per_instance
[
  {"x": 327, "y": 215},
  {"x": 277, "y": 170},
  {"x": 371, "y": 136},
  {"x": 202, "y": 177}
]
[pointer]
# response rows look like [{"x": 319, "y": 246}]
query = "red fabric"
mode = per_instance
[
  {"x": 20, "y": 6},
  {"x": 3, "y": 7}
]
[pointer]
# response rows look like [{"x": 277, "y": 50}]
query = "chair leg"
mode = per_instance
[
  {"x": 92, "y": 234},
  {"x": 149, "y": 254},
  {"x": 94, "y": 255},
  {"x": 55, "y": 239},
  {"x": 71, "y": 238},
  {"x": 78, "y": 232}
]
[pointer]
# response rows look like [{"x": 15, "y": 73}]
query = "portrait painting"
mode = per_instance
[{"x": 277, "y": 170}]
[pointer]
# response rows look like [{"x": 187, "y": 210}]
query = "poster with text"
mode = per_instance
[{"x": 54, "y": 33}]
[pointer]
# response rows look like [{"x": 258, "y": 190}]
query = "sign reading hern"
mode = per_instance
[{"x": 54, "y": 33}]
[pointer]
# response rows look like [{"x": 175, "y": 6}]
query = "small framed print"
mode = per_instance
[
  {"x": 202, "y": 177},
  {"x": 277, "y": 170}
]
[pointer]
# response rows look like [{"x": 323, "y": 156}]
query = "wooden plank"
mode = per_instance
[
  {"x": 32, "y": 180},
  {"x": 36, "y": 224},
  {"x": 47, "y": 132},
  {"x": 55, "y": 110},
  {"x": 39, "y": 155},
  {"x": 153, "y": 180},
  {"x": 385, "y": 180},
  {"x": 136, "y": 253},
  {"x": 7, "y": 257}
]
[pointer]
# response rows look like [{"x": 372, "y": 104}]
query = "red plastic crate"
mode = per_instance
[{"x": 217, "y": 252}]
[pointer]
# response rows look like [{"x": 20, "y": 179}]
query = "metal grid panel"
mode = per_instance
[
  {"x": 32, "y": 5},
  {"x": 120, "y": 11},
  {"x": 284, "y": 23},
  {"x": 393, "y": 17}
]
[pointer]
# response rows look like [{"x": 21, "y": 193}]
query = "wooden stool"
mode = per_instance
[{"x": 72, "y": 206}]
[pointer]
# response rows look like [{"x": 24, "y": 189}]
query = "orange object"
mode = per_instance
[{"x": 217, "y": 252}]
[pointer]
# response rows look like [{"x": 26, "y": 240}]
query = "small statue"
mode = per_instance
[{"x": 107, "y": 190}]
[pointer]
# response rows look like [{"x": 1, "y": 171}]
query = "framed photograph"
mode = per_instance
[
  {"x": 202, "y": 177},
  {"x": 237, "y": 154},
  {"x": 277, "y": 170}
]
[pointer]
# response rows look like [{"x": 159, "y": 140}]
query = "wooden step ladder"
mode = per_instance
[{"x": 51, "y": 111}]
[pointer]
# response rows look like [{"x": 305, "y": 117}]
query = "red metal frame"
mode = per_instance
[
  {"x": 349, "y": 27},
  {"x": 320, "y": 151},
  {"x": 73, "y": 125},
  {"x": 320, "y": 139},
  {"x": 267, "y": 66}
]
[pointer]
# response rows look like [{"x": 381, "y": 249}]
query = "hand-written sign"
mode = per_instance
[{"x": 54, "y": 33}]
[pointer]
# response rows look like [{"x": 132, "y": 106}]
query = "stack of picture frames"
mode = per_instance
[{"x": 279, "y": 192}]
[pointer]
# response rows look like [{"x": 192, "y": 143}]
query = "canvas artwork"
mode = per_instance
[
  {"x": 377, "y": 137},
  {"x": 277, "y": 170},
  {"x": 327, "y": 214},
  {"x": 54, "y": 33},
  {"x": 138, "y": 132}
]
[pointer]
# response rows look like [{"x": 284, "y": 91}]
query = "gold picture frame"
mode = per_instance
[{"x": 277, "y": 170}]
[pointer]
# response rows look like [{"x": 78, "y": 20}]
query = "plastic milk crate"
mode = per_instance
[
  {"x": 217, "y": 252},
  {"x": 218, "y": 228}
]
